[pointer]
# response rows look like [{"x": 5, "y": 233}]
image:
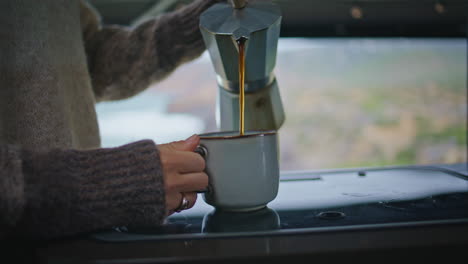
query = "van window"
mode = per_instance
[{"x": 348, "y": 103}]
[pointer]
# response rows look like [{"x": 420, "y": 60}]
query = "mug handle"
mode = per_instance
[{"x": 203, "y": 152}]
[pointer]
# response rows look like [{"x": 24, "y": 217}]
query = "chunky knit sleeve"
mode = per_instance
[
  {"x": 67, "y": 192},
  {"x": 123, "y": 61}
]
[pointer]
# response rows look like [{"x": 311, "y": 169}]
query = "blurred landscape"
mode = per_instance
[{"x": 348, "y": 103}]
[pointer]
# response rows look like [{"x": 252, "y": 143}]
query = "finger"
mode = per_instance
[
  {"x": 190, "y": 144},
  {"x": 172, "y": 201},
  {"x": 188, "y": 162},
  {"x": 192, "y": 198},
  {"x": 192, "y": 182}
]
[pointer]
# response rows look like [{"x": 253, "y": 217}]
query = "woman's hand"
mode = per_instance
[{"x": 183, "y": 172}]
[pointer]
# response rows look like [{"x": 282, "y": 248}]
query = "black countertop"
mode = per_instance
[{"x": 330, "y": 215}]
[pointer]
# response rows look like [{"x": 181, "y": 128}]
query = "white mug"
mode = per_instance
[{"x": 243, "y": 170}]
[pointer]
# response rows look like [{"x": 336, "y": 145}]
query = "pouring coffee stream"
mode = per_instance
[{"x": 241, "y": 44}]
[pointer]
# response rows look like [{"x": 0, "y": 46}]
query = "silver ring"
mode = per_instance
[{"x": 184, "y": 204}]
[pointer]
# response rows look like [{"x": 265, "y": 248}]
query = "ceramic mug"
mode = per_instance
[{"x": 243, "y": 170}]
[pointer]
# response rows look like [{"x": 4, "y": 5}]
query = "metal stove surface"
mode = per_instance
[{"x": 329, "y": 199}]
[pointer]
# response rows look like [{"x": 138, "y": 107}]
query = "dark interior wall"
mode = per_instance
[{"x": 337, "y": 18}]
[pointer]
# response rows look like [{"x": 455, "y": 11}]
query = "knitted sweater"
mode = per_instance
[{"x": 56, "y": 62}]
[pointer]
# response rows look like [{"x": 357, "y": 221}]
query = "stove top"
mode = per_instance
[{"x": 308, "y": 201}]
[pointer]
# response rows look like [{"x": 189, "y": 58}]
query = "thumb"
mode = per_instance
[{"x": 190, "y": 144}]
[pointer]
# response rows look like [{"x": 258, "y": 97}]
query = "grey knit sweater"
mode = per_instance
[{"x": 56, "y": 62}]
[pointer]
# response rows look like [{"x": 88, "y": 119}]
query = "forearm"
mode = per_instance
[
  {"x": 67, "y": 192},
  {"x": 125, "y": 61}
]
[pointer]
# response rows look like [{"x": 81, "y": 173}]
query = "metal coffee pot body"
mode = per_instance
[{"x": 259, "y": 22}]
